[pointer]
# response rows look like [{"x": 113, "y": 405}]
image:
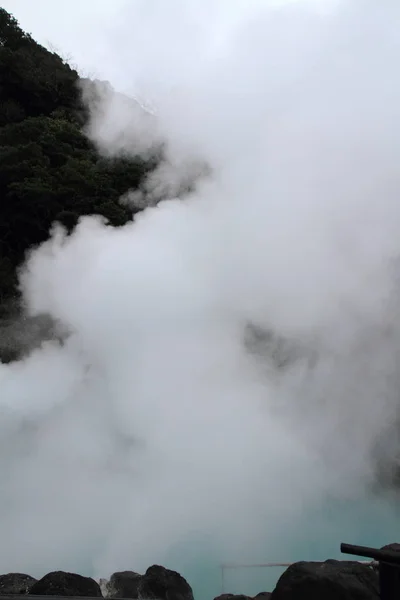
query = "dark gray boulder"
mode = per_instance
[
  {"x": 123, "y": 584},
  {"x": 60, "y": 583},
  {"x": 15, "y": 583},
  {"x": 330, "y": 580},
  {"x": 163, "y": 584}
]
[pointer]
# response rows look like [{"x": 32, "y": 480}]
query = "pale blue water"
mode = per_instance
[{"x": 317, "y": 537}]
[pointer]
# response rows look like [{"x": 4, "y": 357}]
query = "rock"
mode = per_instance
[
  {"x": 263, "y": 596},
  {"x": 164, "y": 584},
  {"x": 59, "y": 583},
  {"x": 330, "y": 580},
  {"x": 124, "y": 584},
  {"x": 157, "y": 583},
  {"x": 393, "y": 547},
  {"x": 15, "y": 583}
]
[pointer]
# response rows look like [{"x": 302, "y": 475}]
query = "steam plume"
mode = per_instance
[{"x": 233, "y": 355}]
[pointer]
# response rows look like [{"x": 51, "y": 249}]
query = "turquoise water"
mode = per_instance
[{"x": 317, "y": 536}]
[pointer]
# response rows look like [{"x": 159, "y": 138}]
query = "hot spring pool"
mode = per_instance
[{"x": 316, "y": 536}]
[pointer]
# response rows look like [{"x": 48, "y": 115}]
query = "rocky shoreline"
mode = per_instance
[{"x": 329, "y": 580}]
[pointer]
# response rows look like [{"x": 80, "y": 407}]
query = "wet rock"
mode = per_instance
[
  {"x": 330, "y": 580},
  {"x": 59, "y": 583},
  {"x": 15, "y": 583}
]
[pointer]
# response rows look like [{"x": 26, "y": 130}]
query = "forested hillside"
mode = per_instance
[{"x": 49, "y": 170}]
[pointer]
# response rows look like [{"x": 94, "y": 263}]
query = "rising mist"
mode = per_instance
[{"x": 232, "y": 356}]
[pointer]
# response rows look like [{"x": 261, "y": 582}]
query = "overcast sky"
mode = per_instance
[
  {"x": 93, "y": 35},
  {"x": 76, "y": 29}
]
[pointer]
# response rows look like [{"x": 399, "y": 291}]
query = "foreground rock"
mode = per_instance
[
  {"x": 157, "y": 583},
  {"x": 164, "y": 584},
  {"x": 59, "y": 583},
  {"x": 15, "y": 583},
  {"x": 330, "y": 580},
  {"x": 123, "y": 584}
]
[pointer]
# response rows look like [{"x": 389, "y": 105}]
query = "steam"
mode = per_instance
[{"x": 232, "y": 356}]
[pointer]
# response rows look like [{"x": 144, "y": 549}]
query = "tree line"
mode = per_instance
[{"x": 49, "y": 169}]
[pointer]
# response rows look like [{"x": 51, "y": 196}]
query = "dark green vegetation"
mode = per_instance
[{"x": 49, "y": 170}]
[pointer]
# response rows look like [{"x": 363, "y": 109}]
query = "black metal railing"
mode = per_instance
[{"x": 389, "y": 568}]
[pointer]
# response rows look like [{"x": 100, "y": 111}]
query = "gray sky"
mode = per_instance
[
  {"x": 93, "y": 35},
  {"x": 75, "y": 29}
]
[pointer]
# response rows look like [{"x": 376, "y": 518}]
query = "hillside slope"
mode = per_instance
[{"x": 49, "y": 170}]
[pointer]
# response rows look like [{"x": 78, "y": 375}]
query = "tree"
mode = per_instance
[{"x": 50, "y": 171}]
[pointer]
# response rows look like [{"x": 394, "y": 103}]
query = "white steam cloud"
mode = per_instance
[{"x": 234, "y": 353}]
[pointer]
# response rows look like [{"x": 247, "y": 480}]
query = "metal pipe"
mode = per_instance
[
  {"x": 278, "y": 564},
  {"x": 387, "y": 556}
]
